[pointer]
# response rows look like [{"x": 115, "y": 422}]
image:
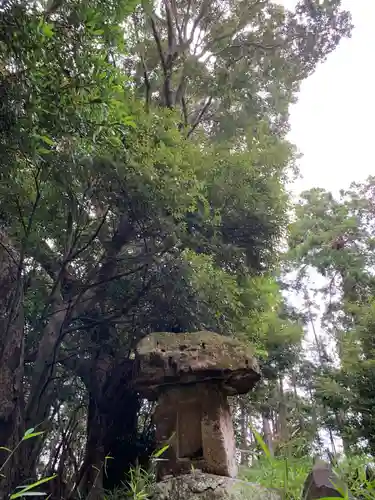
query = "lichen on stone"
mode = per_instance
[{"x": 201, "y": 486}]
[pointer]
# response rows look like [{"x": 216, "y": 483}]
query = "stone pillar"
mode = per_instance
[{"x": 196, "y": 422}]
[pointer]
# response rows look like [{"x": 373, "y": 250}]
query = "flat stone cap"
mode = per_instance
[{"x": 164, "y": 359}]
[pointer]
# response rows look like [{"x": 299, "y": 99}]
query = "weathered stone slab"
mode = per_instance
[
  {"x": 185, "y": 358},
  {"x": 201, "y": 486}
]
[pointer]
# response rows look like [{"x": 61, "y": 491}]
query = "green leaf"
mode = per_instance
[
  {"x": 262, "y": 444},
  {"x": 129, "y": 121},
  {"x": 34, "y": 494},
  {"x": 47, "y": 30},
  {"x": 5, "y": 449},
  {"x": 31, "y": 435},
  {"x": 158, "y": 453},
  {"x": 47, "y": 140},
  {"x": 31, "y": 486},
  {"x": 44, "y": 151},
  {"x": 29, "y": 431},
  {"x": 108, "y": 457}
]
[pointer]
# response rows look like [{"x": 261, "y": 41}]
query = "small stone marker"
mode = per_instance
[
  {"x": 190, "y": 376},
  {"x": 323, "y": 482}
]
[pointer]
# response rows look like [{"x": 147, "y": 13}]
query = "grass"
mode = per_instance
[
  {"x": 284, "y": 474},
  {"x": 288, "y": 474}
]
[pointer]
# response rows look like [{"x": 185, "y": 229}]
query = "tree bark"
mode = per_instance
[
  {"x": 11, "y": 358},
  {"x": 111, "y": 427}
]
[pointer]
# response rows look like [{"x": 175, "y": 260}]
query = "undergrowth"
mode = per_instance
[{"x": 286, "y": 474}]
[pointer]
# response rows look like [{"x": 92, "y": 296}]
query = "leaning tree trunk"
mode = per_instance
[
  {"x": 11, "y": 359},
  {"x": 111, "y": 428}
]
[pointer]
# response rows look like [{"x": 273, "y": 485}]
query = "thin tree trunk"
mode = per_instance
[
  {"x": 267, "y": 433},
  {"x": 340, "y": 421},
  {"x": 296, "y": 398},
  {"x": 284, "y": 431},
  {"x": 314, "y": 416},
  {"x": 244, "y": 432}
]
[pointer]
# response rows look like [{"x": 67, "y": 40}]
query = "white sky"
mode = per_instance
[{"x": 331, "y": 123}]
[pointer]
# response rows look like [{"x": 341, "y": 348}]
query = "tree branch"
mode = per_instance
[
  {"x": 78, "y": 366},
  {"x": 200, "y": 116},
  {"x": 202, "y": 13},
  {"x": 158, "y": 44}
]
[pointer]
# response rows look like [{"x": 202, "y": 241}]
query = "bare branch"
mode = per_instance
[
  {"x": 184, "y": 111},
  {"x": 200, "y": 116},
  {"x": 91, "y": 240},
  {"x": 76, "y": 365},
  {"x": 158, "y": 44},
  {"x": 202, "y": 13}
]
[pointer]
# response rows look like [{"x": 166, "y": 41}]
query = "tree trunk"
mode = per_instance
[
  {"x": 267, "y": 433},
  {"x": 111, "y": 428},
  {"x": 297, "y": 399},
  {"x": 341, "y": 424},
  {"x": 244, "y": 432},
  {"x": 11, "y": 359},
  {"x": 283, "y": 414}
]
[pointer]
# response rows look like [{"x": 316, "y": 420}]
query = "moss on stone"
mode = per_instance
[{"x": 228, "y": 352}]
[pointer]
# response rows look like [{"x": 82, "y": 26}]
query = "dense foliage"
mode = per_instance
[
  {"x": 143, "y": 188},
  {"x": 334, "y": 237}
]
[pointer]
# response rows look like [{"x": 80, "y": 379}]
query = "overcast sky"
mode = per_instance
[{"x": 332, "y": 122}]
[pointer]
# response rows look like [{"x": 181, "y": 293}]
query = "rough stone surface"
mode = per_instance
[
  {"x": 323, "y": 482},
  {"x": 196, "y": 422},
  {"x": 164, "y": 359},
  {"x": 218, "y": 438},
  {"x": 200, "y": 486}
]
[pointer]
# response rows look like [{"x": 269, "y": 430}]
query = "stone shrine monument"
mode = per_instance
[{"x": 190, "y": 376}]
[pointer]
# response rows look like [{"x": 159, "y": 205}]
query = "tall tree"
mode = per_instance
[
  {"x": 333, "y": 236},
  {"x": 227, "y": 65}
]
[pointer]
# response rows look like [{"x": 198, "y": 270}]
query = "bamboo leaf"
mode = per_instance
[
  {"x": 158, "y": 453},
  {"x": 31, "y": 486},
  {"x": 31, "y": 435}
]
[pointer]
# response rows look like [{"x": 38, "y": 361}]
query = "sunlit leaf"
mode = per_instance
[
  {"x": 47, "y": 30},
  {"x": 31, "y": 486},
  {"x": 32, "y": 435},
  {"x": 158, "y": 453}
]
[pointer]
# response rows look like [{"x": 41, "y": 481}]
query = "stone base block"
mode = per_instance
[{"x": 201, "y": 486}]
